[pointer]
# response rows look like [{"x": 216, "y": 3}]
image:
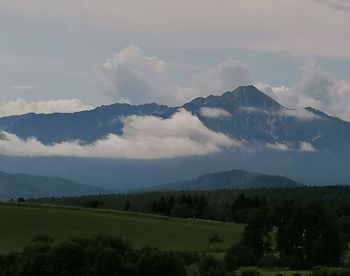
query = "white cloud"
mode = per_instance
[
  {"x": 300, "y": 114},
  {"x": 303, "y": 147},
  {"x": 131, "y": 75},
  {"x": 279, "y": 146},
  {"x": 223, "y": 77},
  {"x": 317, "y": 89},
  {"x": 143, "y": 138},
  {"x": 252, "y": 109},
  {"x": 21, "y": 106},
  {"x": 214, "y": 112},
  {"x": 138, "y": 78},
  {"x": 307, "y": 147}
]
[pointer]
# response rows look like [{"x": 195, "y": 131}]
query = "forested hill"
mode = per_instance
[{"x": 233, "y": 179}]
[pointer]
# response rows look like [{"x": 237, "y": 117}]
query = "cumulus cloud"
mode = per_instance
[
  {"x": 133, "y": 76},
  {"x": 225, "y": 76},
  {"x": 278, "y": 146},
  {"x": 214, "y": 112},
  {"x": 307, "y": 147},
  {"x": 21, "y": 106},
  {"x": 317, "y": 89},
  {"x": 145, "y": 137}
]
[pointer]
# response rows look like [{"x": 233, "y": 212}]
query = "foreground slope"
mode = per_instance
[
  {"x": 19, "y": 223},
  {"x": 31, "y": 186},
  {"x": 233, "y": 179}
]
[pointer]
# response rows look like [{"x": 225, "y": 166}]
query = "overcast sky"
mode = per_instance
[{"x": 73, "y": 55}]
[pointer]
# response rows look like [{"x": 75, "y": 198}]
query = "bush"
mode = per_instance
[
  {"x": 251, "y": 271},
  {"x": 193, "y": 270},
  {"x": 210, "y": 266},
  {"x": 268, "y": 261},
  {"x": 331, "y": 272},
  {"x": 290, "y": 261},
  {"x": 240, "y": 255},
  {"x": 156, "y": 262}
]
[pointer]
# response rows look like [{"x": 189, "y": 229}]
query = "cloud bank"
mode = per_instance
[
  {"x": 145, "y": 137},
  {"x": 241, "y": 24},
  {"x": 21, "y": 106}
]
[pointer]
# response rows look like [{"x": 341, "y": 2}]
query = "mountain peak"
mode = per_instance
[
  {"x": 243, "y": 96},
  {"x": 250, "y": 96}
]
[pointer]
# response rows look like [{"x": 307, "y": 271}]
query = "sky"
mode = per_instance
[{"x": 73, "y": 55}]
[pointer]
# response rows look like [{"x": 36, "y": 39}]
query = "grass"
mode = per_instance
[
  {"x": 285, "y": 273},
  {"x": 19, "y": 223}
]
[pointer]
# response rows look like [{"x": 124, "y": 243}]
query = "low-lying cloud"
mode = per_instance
[
  {"x": 300, "y": 114},
  {"x": 302, "y": 147},
  {"x": 21, "y": 106},
  {"x": 144, "y": 137},
  {"x": 214, "y": 112}
]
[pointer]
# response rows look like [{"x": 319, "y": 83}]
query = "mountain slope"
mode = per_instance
[
  {"x": 86, "y": 126},
  {"x": 30, "y": 186},
  {"x": 234, "y": 179},
  {"x": 307, "y": 145},
  {"x": 252, "y": 116}
]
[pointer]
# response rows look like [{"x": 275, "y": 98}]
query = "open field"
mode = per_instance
[
  {"x": 20, "y": 222},
  {"x": 285, "y": 273}
]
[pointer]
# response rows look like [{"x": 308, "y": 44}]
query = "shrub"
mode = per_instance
[
  {"x": 210, "y": 266},
  {"x": 331, "y": 272},
  {"x": 268, "y": 261}
]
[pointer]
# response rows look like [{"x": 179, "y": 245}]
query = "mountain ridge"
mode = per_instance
[
  {"x": 13, "y": 186},
  {"x": 232, "y": 179}
]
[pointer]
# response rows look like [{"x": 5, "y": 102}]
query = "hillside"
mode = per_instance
[
  {"x": 234, "y": 179},
  {"x": 30, "y": 186},
  {"x": 21, "y": 222}
]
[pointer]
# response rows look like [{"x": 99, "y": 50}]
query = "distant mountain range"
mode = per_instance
[
  {"x": 252, "y": 116},
  {"x": 306, "y": 145},
  {"x": 233, "y": 179},
  {"x": 13, "y": 186}
]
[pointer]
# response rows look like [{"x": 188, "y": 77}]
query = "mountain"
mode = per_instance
[
  {"x": 233, "y": 179},
  {"x": 30, "y": 186},
  {"x": 253, "y": 116},
  {"x": 305, "y": 144},
  {"x": 86, "y": 126},
  {"x": 256, "y": 117}
]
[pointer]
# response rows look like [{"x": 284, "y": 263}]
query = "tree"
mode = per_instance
[
  {"x": 161, "y": 263},
  {"x": 127, "y": 205},
  {"x": 305, "y": 231}
]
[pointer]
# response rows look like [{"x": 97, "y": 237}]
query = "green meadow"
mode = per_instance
[{"x": 19, "y": 223}]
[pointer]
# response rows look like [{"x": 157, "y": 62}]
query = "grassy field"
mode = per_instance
[
  {"x": 20, "y": 222},
  {"x": 285, "y": 273}
]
